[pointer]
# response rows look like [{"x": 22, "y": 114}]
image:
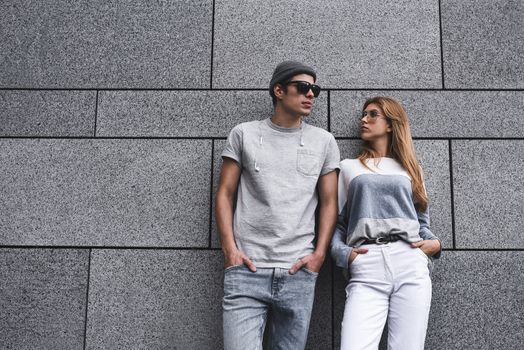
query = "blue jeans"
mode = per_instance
[{"x": 249, "y": 296}]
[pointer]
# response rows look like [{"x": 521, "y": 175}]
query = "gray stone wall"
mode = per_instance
[{"x": 113, "y": 115}]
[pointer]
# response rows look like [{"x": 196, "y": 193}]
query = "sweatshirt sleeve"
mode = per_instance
[
  {"x": 425, "y": 230},
  {"x": 340, "y": 251}
]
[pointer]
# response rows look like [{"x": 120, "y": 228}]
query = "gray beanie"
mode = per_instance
[{"x": 286, "y": 70}]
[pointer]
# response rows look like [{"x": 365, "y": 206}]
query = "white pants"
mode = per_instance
[{"x": 392, "y": 282}]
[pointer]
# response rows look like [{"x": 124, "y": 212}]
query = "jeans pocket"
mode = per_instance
[
  {"x": 308, "y": 162},
  {"x": 310, "y": 272},
  {"x": 429, "y": 261},
  {"x": 355, "y": 260},
  {"x": 421, "y": 252},
  {"x": 232, "y": 267}
]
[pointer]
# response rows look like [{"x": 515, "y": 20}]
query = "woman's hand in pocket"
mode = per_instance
[
  {"x": 430, "y": 247},
  {"x": 355, "y": 252}
]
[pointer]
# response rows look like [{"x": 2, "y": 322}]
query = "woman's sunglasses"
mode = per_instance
[
  {"x": 372, "y": 115},
  {"x": 303, "y": 87}
]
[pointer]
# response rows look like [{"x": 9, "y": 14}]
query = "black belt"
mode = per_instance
[{"x": 382, "y": 240}]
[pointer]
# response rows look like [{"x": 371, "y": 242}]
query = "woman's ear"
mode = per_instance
[{"x": 389, "y": 129}]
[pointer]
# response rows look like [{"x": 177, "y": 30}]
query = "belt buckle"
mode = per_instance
[{"x": 381, "y": 240}]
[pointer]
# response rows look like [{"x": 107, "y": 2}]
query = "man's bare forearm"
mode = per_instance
[
  {"x": 326, "y": 227},
  {"x": 328, "y": 211},
  {"x": 224, "y": 219}
]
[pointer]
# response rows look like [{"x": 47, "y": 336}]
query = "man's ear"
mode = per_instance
[{"x": 279, "y": 91}]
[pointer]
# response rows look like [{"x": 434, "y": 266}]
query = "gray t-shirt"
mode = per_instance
[{"x": 274, "y": 219}]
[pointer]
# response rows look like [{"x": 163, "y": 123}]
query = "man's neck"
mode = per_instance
[{"x": 285, "y": 120}]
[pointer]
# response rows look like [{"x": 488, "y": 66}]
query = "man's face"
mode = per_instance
[{"x": 294, "y": 102}]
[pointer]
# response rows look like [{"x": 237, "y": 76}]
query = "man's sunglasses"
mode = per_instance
[{"x": 303, "y": 87}]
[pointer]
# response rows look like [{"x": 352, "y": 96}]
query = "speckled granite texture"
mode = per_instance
[
  {"x": 486, "y": 114},
  {"x": 100, "y": 44},
  {"x": 366, "y": 44},
  {"x": 488, "y": 178},
  {"x": 483, "y": 44},
  {"x": 47, "y": 113},
  {"x": 105, "y": 192},
  {"x": 155, "y": 299},
  {"x": 42, "y": 298},
  {"x": 187, "y": 113},
  {"x": 477, "y": 301}
]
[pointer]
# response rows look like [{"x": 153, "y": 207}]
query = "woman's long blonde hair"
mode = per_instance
[{"x": 400, "y": 146}]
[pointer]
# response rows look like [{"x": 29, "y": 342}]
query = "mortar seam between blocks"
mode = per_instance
[
  {"x": 329, "y": 111},
  {"x": 258, "y": 89},
  {"x": 486, "y": 249},
  {"x": 452, "y": 194},
  {"x": 211, "y": 192},
  {"x": 470, "y": 138},
  {"x": 96, "y": 113},
  {"x": 212, "y": 45},
  {"x": 441, "y": 47},
  {"x": 87, "y": 296}
]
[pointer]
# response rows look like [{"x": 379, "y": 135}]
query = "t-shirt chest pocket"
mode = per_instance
[{"x": 308, "y": 162}]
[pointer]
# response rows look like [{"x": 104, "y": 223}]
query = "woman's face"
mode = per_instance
[{"x": 373, "y": 124}]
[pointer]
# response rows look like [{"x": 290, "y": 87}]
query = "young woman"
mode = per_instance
[{"x": 383, "y": 234}]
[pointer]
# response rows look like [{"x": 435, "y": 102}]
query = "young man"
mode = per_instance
[{"x": 280, "y": 168}]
